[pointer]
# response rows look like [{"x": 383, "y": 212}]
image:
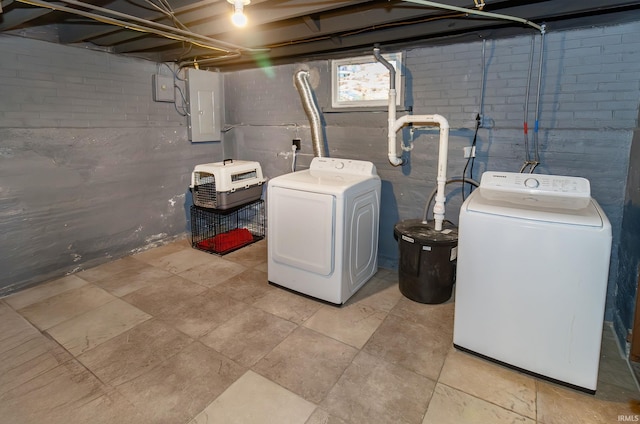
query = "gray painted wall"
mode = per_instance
[
  {"x": 588, "y": 111},
  {"x": 91, "y": 168},
  {"x": 629, "y": 250}
]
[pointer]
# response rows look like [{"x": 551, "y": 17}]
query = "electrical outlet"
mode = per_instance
[
  {"x": 469, "y": 152},
  {"x": 296, "y": 142}
]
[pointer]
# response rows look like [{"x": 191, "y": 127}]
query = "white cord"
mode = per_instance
[{"x": 293, "y": 159}]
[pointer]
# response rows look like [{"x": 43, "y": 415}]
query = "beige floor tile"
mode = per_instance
[
  {"x": 504, "y": 387},
  {"x": 167, "y": 249},
  {"x": 287, "y": 305},
  {"x": 451, "y": 406},
  {"x": 425, "y": 314},
  {"x": 420, "y": 348},
  {"x": 249, "y": 336},
  {"x": 264, "y": 267},
  {"x": 134, "y": 352},
  {"x": 374, "y": 391},
  {"x": 109, "y": 269},
  {"x": 182, "y": 386},
  {"x": 44, "y": 291},
  {"x": 125, "y": 282},
  {"x": 86, "y": 331},
  {"x": 213, "y": 272},
  {"x": 13, "y": 328},
  {"x": 320, "y": 416},
  {"x": 307, "y": 363},
  {"x": 352, "y": 324},
  {"x": 66, "y": 305},
  {"x": 378, "y": 293},
  {"x": 181, "y": 260},
  {"x": 248, "y": 286},
  {"x": 27, "y": 358},
  {"x": 200, "y": 314},
  {"x": 253, "y": 399},
  {"x": 110, "y": 408},
  {"x": 52, "y": 397},
  {"x": 250, "y": 256},
  {"x": 558, "y": 405},
  {"x": 164, "y": 294}
]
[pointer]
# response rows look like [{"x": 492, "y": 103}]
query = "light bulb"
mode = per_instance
[{"x": 238, "y": 18}]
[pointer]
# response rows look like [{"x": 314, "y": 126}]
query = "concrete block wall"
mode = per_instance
[
  {"x": 590, "y": 93},
  {"x": 91, "y": 168}
]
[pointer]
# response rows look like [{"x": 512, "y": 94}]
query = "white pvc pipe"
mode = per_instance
[
  {"x": 394, "y": 125},
  {"x": 393, "y": 150},
  {"x": 443, "y": 147}
]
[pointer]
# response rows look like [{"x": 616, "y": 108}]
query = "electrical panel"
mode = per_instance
[
  {"x": 204, "y": 94},
  {"x": 163, "y": 90}
]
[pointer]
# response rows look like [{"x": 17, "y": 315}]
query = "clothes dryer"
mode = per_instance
[{"x": 322, "y": 228}]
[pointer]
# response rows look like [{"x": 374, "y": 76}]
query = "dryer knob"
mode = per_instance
[
  {"x": 531, "y": 183},
  {"x": 339, "y": 165}
]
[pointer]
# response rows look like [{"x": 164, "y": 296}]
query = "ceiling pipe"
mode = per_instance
[
  {"x": 396, "y": 124},
  {"x": 476, "y": 12},
  {"x": 147, "y": 26}
]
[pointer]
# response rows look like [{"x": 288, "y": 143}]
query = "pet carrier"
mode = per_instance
[{"x": 226, "y": 184}]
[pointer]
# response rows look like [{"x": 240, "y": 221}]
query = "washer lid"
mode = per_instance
[{"x": 535, "y": 206}]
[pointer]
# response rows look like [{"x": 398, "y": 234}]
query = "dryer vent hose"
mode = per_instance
[{"x": 311, "y": 109}]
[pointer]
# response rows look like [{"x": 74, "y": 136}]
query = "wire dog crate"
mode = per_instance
[{"x": 223, "y": 231}]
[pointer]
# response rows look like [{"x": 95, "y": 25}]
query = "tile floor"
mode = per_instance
[{"x": 174, "y": 335}]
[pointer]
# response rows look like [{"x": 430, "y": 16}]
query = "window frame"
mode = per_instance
[{"x": 369, "y": 59}]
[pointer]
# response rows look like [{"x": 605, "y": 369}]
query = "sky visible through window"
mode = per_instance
[{"x": 363, "y": 82}]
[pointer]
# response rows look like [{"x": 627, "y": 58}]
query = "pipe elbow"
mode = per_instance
[
  {"x": 441, "y": 121},
  {"x": 395, "y": 161}
]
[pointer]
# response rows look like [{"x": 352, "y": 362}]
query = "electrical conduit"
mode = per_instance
[{"x": 396, "y": 124}]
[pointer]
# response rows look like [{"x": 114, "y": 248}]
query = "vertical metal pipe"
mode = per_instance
[{"x": 301, "y": 80}]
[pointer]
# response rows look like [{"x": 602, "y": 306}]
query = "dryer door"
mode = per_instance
[{"x": 302, "y": 229}]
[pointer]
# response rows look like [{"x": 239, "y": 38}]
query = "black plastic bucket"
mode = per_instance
[{"x": 427, "y": 260}]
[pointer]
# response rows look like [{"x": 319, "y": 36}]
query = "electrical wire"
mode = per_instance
[
  {"x": 425, "y": 214},
  {"x": 471, "y": 158}
]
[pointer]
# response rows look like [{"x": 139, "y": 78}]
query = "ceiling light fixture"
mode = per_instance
[{"x": 238, "y": 18}]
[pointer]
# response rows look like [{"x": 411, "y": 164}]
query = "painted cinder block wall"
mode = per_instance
[
  {"x": 589, "y": 101},
  {"x": 91, "y": 168}
]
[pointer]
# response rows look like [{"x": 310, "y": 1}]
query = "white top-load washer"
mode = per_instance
[
  {"x": 323, "y": 228},
  {"x": 533, "y": 265}
]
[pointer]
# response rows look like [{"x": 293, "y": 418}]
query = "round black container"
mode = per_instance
[{"x": 427, "y": 260}]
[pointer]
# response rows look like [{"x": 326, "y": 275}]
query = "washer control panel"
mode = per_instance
[
  {"x": 536, "y": 183},
  {"x": 343, "y": 166}
]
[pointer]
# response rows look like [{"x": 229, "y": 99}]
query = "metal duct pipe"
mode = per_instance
[
  {"x": 301, "y": 80},
  {"x": 476, "y": 12}
]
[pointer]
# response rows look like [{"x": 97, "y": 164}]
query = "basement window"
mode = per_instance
[{"x": 364, "y": 82}]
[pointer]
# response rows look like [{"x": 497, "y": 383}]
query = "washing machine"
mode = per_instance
[
  {"x": 322, "y": 228},
  {"x": 533, "y": 265}
]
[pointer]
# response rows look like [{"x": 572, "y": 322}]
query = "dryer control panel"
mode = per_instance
[
  {"x": 344, "y": 166},
  {"x": 536, "y": 183}
]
